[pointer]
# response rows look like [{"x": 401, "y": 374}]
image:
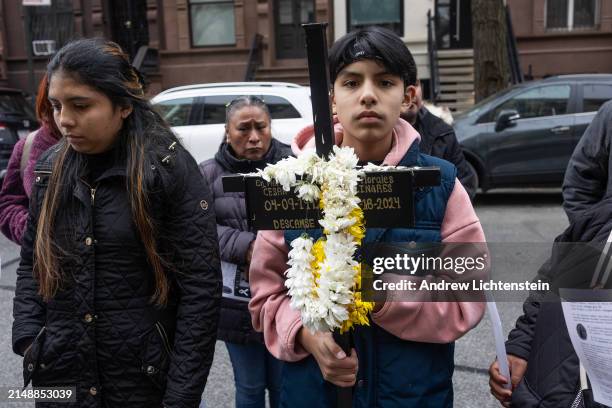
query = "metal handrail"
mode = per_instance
[
  {"x": 513, "y": 57},
  {"x": 432, "y": 50},
  {"x": 140, "y": 56},
  {"x": 254, "y": 58}
]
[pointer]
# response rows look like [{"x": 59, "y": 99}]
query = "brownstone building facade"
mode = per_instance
[
  {"x": 563, "y": 36},
  {"x": 186, "y": 41}
]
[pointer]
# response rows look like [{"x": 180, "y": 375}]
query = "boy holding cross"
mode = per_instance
[{"x": 405, "y": 357}]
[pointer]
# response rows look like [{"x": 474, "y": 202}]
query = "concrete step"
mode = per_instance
[
  {"x": 456, "y": 62},
  {"x": 455, "y": 79},
  {"x": 465, "y": 53},
  {"x": 445, "y": 71},
  {"x": 456, "y": 87},
  {"x": 463, "y": 96},
  {"x": 458, "y": 107}
]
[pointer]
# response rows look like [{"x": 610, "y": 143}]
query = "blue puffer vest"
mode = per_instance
[{"x": 393, "y": 373}]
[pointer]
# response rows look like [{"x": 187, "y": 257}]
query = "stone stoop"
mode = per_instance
[{"x": 456, "y": 70}]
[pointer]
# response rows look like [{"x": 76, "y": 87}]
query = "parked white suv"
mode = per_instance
[{"x": 197, "y": 112}]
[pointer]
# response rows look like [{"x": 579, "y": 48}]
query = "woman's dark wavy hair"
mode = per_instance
[
  {"x": 373, "y": 43},
  {"x": 144, "y": 138}
]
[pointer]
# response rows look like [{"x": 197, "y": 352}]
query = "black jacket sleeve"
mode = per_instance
[
  {"x": 454, "y": 154},
  {"x": 586, "y": 178},
  {"x": 520, "y": 338},
  {"x": 439, "y": 139},
  {"x": 233, "y": 242},
  {"x": 190, "y": 231},
  {"x": 29, "y": 309}
]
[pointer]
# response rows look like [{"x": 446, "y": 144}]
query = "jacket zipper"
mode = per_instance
[
  {"x": 93, "y": 194},
  {"x": 92, "y": 191}
]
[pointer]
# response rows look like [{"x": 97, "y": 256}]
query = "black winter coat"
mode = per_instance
[
  {"x": 234, "y": 234},
  {"x": 540, "y": 336},
  {"x": 438, "y": 139},
  {"x": 101, "y": 333},
  {"x": 587, "y": 177}
]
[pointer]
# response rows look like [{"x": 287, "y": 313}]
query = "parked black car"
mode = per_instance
[
  {"x": 17, "y": 119},
  {"x": 524, "y": 136}
]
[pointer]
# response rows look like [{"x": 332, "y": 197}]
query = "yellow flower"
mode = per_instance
[
  {"x": 357, "y": 230},
  {"x": 318, "y": 252},
  {"x": 358, "y": 309}
]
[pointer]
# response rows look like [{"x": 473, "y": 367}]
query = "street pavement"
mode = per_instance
[{"x": 518, "y": 221}]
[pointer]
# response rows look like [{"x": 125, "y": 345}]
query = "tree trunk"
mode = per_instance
[{"x": 491, "y": 66}]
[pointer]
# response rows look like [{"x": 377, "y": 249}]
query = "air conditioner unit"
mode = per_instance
[{"x": 43, "y": 47}]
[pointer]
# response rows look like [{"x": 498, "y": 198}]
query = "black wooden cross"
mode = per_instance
[{"x": 387, "y": 198}]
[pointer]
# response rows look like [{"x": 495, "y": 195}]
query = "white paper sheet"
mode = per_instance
[
  {"x": 234, "y": 285},
  {"x": 589, "y": 322},
  {"x": 500, "y": 345}
]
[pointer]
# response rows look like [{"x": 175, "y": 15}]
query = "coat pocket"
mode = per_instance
[
  {"x": 525, "y": 396},
  {"x": 31, "y": 357},
  {"x": 155, "y": 353}
]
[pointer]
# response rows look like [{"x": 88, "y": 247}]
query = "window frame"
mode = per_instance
[
  {"x": 402, "y": 22},
  {"x": 196, "y": 111},
  {"x": 190, "y": 4},
  {"x": 571, "y": 102},
  {"x": 580, "y": 107},
  {"x": 570, "y": 18}
]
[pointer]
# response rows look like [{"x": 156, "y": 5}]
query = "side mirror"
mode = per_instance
[{"x": 506, "y": 119}]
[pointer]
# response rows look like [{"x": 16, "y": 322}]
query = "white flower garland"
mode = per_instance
[{"x": 323, "y": 278}]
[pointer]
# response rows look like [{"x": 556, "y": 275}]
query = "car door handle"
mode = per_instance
[{"x": 560, "y": 129}]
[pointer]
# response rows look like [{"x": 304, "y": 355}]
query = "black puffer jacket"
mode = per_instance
[
  {"x": 100, "y": 333},
  {"x": 587, "y": 177},
  {"x": 541, "y": 337},
  {"x": 234, "y": 234},
  {"x": 438, "y": 139}
]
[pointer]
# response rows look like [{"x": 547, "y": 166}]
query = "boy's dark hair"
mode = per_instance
[{"x": 374, "y": 43}]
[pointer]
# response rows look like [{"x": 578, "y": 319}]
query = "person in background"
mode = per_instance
[
  {"x": 438, "y": 139},
  {"x": 248, "y": 146},
  {"x": 587, "y": 177},
  {"x": 118, "y": 289},
  {"x": 17, "y": 185}
]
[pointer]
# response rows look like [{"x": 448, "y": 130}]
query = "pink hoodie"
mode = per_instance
[{"x": 433, "y": 322}]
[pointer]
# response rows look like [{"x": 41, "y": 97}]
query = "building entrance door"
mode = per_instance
[
  {"x": 453, "y": 24},
  {"x": 289, "y": 15},
  {"x": 129, "y": 25}
]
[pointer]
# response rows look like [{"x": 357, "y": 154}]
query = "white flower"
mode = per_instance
[
  {"x": 323, "y": 302},
  {"x": 308, "y": 192}
]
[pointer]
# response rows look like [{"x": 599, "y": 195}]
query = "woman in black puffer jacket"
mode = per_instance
[
  {"x": 119, "y": 284},
  {"x": 248, "y": 146}
]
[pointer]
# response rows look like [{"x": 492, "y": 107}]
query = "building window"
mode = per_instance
[
  {"x": 51, "y": 26},
  {"x": 212, "y": 22},
  {"x": 388, "y": 13},
  {"x": 570, "y": 14}
]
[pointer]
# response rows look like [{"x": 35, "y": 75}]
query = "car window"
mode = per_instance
[
  {"x": 16, "y": 104},
  {"x": 280, "y": 108},
  {"x": 180, "y": 112},
  {"x": 214, "y": 109},
  {"x": 595, "y": 95},
  {"x": 538, "y": 102},
  {"x": 176, "y": 111}
]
